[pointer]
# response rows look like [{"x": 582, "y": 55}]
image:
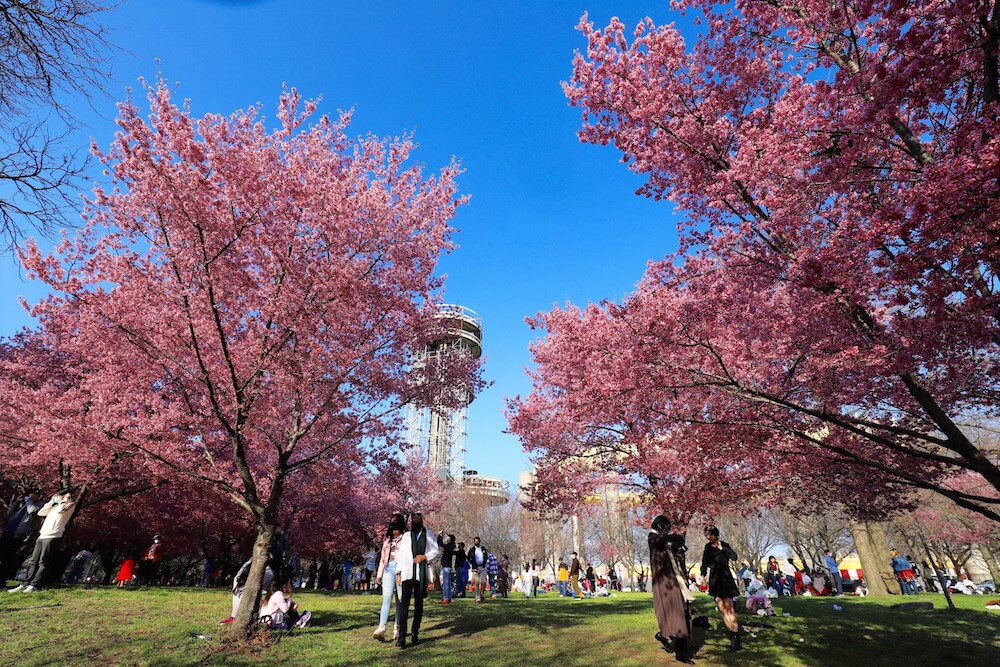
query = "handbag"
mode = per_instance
[{"x": 685, "y": 593}]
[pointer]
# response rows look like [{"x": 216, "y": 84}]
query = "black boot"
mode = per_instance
[
  {"x": 414, "y": 639},
  {"x": 664, "y": 642},
  {"x": 682, "y": 654},
  {"x": 735, "y": 644}
]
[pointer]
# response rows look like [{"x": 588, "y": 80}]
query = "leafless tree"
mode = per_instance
[
  {"x": 751, "y": 536},
  {"x": 468, "y": 514},
  {"x": 807, "y": 533},
  {"x": 51, "y": 52}
]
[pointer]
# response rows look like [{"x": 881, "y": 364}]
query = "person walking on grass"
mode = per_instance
[
  {"x": 348, "y": 576},
  {"x": 562, "y": 577},
  {"x": 574, "y": 576},
  {"x": 721, "y": 584},
  {"x": 834, "y": 567},
  {"x": 57, "y": 513},
  {"x": 492, "y": 570},
  {"x": 418, "y": 546},
  {"x": 149, "y": 568},
  {"x": 670, "y": 594},
  {"x": 536, "y": 577},
  {"x": 461, "y": 572},
  {"x": 447, "y": 548},
  {"x": 477, "y": 568},
  {"x": 789, "y": 571},
  {"x": 503, "y": 575},
  {"x": 129, "y": 566},
  {"x": 904, "y": 573},
  {"x": 370, "y": 565},
  {"x": 388, "y": 567}
]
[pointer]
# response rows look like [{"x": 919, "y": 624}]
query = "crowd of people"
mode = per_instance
[
  {"x": 673, "y": 585},
  {"x": 406, "y": 567}
]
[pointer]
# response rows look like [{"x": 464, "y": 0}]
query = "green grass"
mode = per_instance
[{"x": 96, "y": 627}]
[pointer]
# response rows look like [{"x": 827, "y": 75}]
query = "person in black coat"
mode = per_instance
[
  {"x": 447, "y": 546},
  {"x": 721, "y": 584},
  {"x": 461, "y": 573}
]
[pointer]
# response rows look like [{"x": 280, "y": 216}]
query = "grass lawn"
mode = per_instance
[{"x": 97, "y": 627}]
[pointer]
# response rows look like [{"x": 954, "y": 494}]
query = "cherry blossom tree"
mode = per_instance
[
  {"x": 246, "y": 300},
  {"x": 836, "y": 282},
  {"x": 45, "y": 429},
  {"x": 952, "y": 533}
]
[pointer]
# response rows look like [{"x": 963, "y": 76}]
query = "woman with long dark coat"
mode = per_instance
[
  {"x": 721, "y": 584},
  {"x": 666, "y": 553}
]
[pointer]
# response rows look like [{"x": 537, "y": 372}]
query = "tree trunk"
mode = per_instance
[
  {"x": 942, "y": 582},
  {"x": 246, "y": 615},
  {"x": 991, "y": 563},
  {"x": 873, "y": 551},
  {"x": 577, "y": 538}
]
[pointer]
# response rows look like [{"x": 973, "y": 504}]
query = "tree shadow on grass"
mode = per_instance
[
  {"x": 870, "y": 635},
  {"x": 545, "y": 619},
  {"x": 328, "y": 621}
]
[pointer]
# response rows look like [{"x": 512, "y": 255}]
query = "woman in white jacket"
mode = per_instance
[
  {"x": 387, "y": 567},
  {"x": 418, "y": 547}
]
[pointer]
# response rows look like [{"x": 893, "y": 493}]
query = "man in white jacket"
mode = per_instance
[
  {"x": 418, "y": 546},
  {"x": 57, "y": 513}
]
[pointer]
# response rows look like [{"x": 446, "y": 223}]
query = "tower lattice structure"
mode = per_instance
[{"x": 440, "y": 431}]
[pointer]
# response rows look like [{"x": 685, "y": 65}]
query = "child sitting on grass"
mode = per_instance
[{"x": 282, "y": 610}]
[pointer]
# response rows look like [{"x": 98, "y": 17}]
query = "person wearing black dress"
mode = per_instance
[{"x": 721, "y": 584}]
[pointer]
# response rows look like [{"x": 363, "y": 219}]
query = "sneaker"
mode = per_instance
[
  {"x": 445, "y": 601},
  {"x": 227, "y": 621},
  {"x": 29, "y": 589},
  {"x": 303, "y": 619},
  {"x": 16, "y": 589},
  {"x": 379, "y": 633}
]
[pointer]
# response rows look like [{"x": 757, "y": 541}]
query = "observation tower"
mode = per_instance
[{"x": 442, "y": 432}]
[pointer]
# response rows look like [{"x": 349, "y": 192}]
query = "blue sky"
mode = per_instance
[{"x": 551, "y": 220}]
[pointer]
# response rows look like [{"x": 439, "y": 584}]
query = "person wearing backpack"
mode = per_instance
[
  {"x": 17, "y": 532},
  {"x": 240, "y": 581}
]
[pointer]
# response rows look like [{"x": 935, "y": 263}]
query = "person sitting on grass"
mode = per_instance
[
  {"x": 240, "y": 581},
  {"x": 758, "y": 600},
  {"x": 964, "y": 586},
  {"x": 280, "y": 611}
]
